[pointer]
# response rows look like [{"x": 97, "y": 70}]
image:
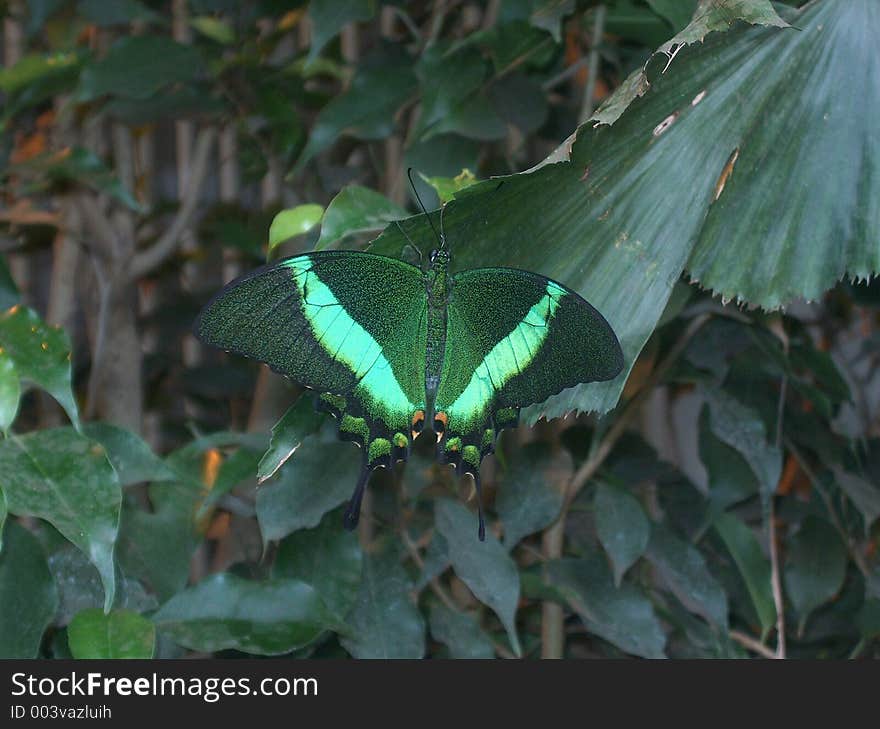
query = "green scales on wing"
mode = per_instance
[{"x": 389, "y": 347}]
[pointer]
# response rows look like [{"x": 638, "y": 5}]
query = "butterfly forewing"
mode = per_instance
[{"x": 344, "y": 323}]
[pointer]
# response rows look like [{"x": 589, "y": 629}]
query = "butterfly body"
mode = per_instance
[{"x": 393, "y": 350}]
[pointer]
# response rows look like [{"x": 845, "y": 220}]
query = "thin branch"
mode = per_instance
[
  {"x": 752, "y": 644},
  {"x": 776, "y": 583},
  {"x": 151, "y": 258},
  {"x": 103, "y": 241}
]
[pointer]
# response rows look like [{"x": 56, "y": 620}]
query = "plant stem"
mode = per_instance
[{"x": 752, "y": 644}]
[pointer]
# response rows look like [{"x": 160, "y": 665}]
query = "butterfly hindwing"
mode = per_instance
[
  {"x": 514, "y": 338},
  {"x": 349, "y": 325}
]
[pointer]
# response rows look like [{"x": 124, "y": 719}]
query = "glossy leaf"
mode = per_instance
[
  {"x": 355, "y": 210},
  {"x": 295, "y": 425},
  {"x": 485, "y": 567},
  {"x": 119, "y": 634},
  {"x": 66, "y": 479},
  {"x": 385, "y": 623},
  {"x": 591, "y": 217},
  {"x": 446, "y": 187},
  {"x": 10, "y": 391},
  {"x": 293, "y": 222},
  {"x": 683, "y": 569},
  {"x": 130, "y": 456},
  {"x": 328, "y": 558},
  {"x": 40, "y": 353},
  {"x": 815, "y": 566},
  {"x": 622, "y": 526},
  {"x": 530, "y": 497},
  {"x": 753, "y": 566},
  {"x": 226, "y": 611},
  {"x": 460, "y": 632},
  {"x": 318, "y": 478},
  {"x": 622, "y": 616},
  {"x": 28, "y": 598}
]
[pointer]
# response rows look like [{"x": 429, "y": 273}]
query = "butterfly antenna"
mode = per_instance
[
  {"x": 409, "y": 242},
  {"x": 442, "y": 233},
  {"x": 412, "y": 184}
]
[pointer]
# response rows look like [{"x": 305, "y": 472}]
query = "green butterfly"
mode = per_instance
[{"x": 390, "y": 348}]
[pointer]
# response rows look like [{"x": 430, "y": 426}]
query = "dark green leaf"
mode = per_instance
[
  {"x": 683, "y": 569},
  {"x": 485, "y": 567},
  {"x": 460, "y": 632},
  {"x": 545, "y": 14},
  {"x": 530, "y": 497},
  {"x": 28, "y": 598},
  {"x": 622, "y": 616},
  {"x": 731, "y": 479},
  {"x": 869, "y": 619},
  {"x": 41, "y": 354},
  {"x": 79, "y": 586},
  {"x": 138, "y": 66},
  {"x": 118, "y": 12},
  {"x": 519, "y": 100},
  {"x": 10, "y": 391},
  {"x": 157, "y": 547},
  {"x": 677, "y": 12},
  {"x": 119, "y": 634},
  {"x": 33, "y": 69},
  {"x": 366, "y": 110},
  {"x": 356, "y": 210},
  {"x": 385, "y": 623},
  {"x": 622, "y": 526},
  {"x": 330, "y": 16},
  {"x": 225, "y": 611},
  {"x": 866, "y": 496},
  {"x": 130, "y": 455},
  {"x": 815, "y": 566},
  {"x": 753, "y": 566},
  {"x": 66, "y": 479},
  {"x": 317, "y": 479},
  {"x": 741, "y": 428},
  {"x": 329, "y": 558},
  {"x": 295, "y": 425}
]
